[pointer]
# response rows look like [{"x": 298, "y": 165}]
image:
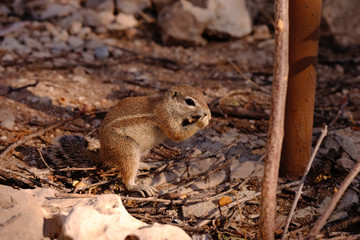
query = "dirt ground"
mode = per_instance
[{"x": 235, "y": 76}]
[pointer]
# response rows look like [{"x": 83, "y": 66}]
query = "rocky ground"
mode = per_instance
[{"x": 65, "y": 63}]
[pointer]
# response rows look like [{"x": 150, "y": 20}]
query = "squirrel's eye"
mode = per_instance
[{"x": 190, "y": 102}]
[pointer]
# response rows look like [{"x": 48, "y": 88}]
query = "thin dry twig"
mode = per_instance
[
  {"x": 39, "y": 177},
  {"x": 74, "y": 195},
  {"x": 243, "y": 200},
  {"x": 237, "y": 69},
  {"x": 97, "y": 184},
  {"x": 43, "y": 160},
  {"x": 67, "y": 169},
  {"x": 277, "y": 119},
  {"x": 237, "y": 185},
  {"x": 227, "y": 117},
  {"x": 27, "y": 138},
  {"x": 331, "y": 206},
  {"x": 341, "y": 110},
  {"x": 8, "y": 171},
  {"x": 145, "y": 16},
  {"x": 299, "y": 191}
]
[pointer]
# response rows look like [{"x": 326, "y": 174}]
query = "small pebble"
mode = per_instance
[
  {"x": 75, "y": 41},
  {"x": 45, "y": 101},
  {"x": 101, "y": 52},
  {"x": 79, "y": 122},
  {"x": 7, "y": 58},
  {"x": 75, "y": 27},
  {"x": 3, "y": 138},
  {"x": 8, "y": 124},
  {"x": 96, "y": 122}
]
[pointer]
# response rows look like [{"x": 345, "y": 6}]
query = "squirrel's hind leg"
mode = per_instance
[{"x": 125, "y": 156}]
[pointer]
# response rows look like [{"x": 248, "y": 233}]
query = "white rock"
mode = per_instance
[
  {"x": 45, "y": 39},
  {"x": 54, "y": 10},
  {"x": 11, "y": 44},
  {"x": 80, "y": 79},
  {"x": 125, "y": 21},
  {"x": 305, "y": 213},
  {"x": 240, "y": 169},
  {"x": 91, "y": 18},
  {"x": 88, "y": 56},
  {"x": 337, "y": 216},
  {"x": 45, "y": 101},
  {"x": 63, "y": 36},
  {"x": 41, "y": 54},
  {"x": 106, "y": 17},
  {"x": 198, "y": 210},
  {"x": 8, "y": 124},
  {"x": 75, "y": 42},
  {"x": 105, "y": 217},
  {"x": 7, "y": 58},
  {"x": 93, "y": 44},
  {"x": 111, "y": 41},
  {"x": 118, "y": 53},
  {"x": 349, "y": 199},
  {"x": 212, "y": 181},
  {"x": 184, "y": 22},
  {"x": 96, "y": 122},
  {"x": 57, "y": 47},
  {"x": 100, "y": 5},
  {"x": 4, "y": 10},
  {"x": 343, "y": 20},
  {"x": 101, "y": 52},
  {"x": 19, "y": 8},
  {"x": 345, "y": 162},
  {"x": 262, "y": 32},
  {"x": 13, "y": 28},
  {"x": 160, "y": 4},
  {"x": 132, "y": 6},
  {"x": 349, "y": 140},
  {"x": 50, "y": 29},
  {"x": 58, "y": 62},
  {"x": 75, "y": 27},
  {"x": 6, "y": 114},
  {"x": 20, "y": 214},
  {"x": 84, "y": 32},
  {"x": 33, "y": 43},
  {"x": 231, "y": 17}
]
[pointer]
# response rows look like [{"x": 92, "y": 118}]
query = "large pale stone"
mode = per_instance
[
  {"x": 105, "y": 217},
  {"x": 132, "y": 6},
  {"x": 231, "y": 17},
  {"x": 183, "y": 22},
  {"x": 21, "y": 216},
  {"x": 343, "y": 19}
]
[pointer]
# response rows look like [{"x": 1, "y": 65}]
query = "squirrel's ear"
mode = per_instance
[{"x": 173, "y": 94}]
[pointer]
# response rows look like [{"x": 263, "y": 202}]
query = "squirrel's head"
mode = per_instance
[{"x": 187, "y": 103}]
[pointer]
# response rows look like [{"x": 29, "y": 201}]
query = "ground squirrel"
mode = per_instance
[{"x": 134, "y": 126}]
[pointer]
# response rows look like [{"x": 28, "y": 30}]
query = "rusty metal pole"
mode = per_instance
[{"x": 304, "y": 16}]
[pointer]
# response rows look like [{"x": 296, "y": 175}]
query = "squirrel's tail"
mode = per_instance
[{"x": 71, "y": 151}]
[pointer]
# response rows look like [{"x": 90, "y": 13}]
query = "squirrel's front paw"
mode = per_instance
[
  {"x": 203, "y": 121},
  {"x": 144, "y": 190}
]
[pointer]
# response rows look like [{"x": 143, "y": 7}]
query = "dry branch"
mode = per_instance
[
  {"x": 29, "y": 137},
  {"x": 298, "y": 193},
  {"x": 276, "y": 125},
  {"x": 331, "y": 206}
]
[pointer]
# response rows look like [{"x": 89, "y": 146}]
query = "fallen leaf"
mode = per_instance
[{"x": 225, "y": 200}]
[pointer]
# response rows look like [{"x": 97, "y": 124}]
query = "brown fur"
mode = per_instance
[{"x": 137, "y": 124}]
